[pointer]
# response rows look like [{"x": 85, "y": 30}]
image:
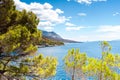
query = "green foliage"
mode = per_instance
[
  {"x": 74, "y": 61},
  {"x": 18, "y": 39},
  {"x": 9, "y": 16},
  {"x": 6, "y": 10},
  {"x": 96, "y": 67},
  {"x": 44, "y": 67},
  {"x": 105, "y": 68},
  {"x": 14, "y": 38},
  {"x": 50, "y": 42},
  {"x": 38, "y": 67}
]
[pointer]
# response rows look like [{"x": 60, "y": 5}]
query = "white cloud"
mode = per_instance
[
  {"x": 47, "y": 6},
  {"x": 45, "y": 24},
  {"x": 98, "y": 37},
  {"x": 107, "y": 32},
  {"x": 82, "y": 14},
  {"x": 68, "y": 0},
  {"x": 70, "y": 24},
  {"x": 89, "y": 1},
  {"x": 49, "y": 28},
  {"x": 71, "y": 27},
  {"x": 84, "y": 1},
  {"x": 59, "y": 11},
  {"x": 101, "y": 33},
  {"x": 109, "y": 28},
  {"x": 69, "y": 17},
  {"x": 45, "y": 12},
  {"x": 116, "y": 13}
]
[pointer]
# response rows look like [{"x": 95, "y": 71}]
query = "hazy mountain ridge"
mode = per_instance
[
  {"x": 54, "y": 36},
  {"x": 51, "y": 35}
]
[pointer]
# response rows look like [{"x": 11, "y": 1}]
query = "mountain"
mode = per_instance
[
  {"x": 51, "y": 35},
  {"x": 54, "y": 36}
]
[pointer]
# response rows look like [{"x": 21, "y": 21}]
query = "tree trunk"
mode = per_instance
[
  {"x": 3, "y": 77},
  {"x": 73, "y": 75}
]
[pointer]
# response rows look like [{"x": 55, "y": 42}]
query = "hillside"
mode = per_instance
[{"x": 56, "y": 37}]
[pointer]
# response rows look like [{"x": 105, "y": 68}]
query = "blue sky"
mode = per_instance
[{"x": 80, "y": 20}]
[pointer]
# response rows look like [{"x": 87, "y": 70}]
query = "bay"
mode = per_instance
[{"x": 92, "y": 49}]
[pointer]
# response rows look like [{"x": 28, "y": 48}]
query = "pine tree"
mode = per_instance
[
  {"x": 19, "y": 37},
  {"x": 81, "y": 67},
  {"x": 74, "y": 61},
  {"x": 105, "y": 67}
]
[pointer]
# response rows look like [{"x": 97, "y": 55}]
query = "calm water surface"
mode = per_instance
[{"x": 92, "y": 49}]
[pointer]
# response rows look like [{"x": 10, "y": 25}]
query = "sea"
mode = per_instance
[{"x": 92, "y": 49}]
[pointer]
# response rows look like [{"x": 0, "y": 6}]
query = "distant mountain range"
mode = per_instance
[{"x": 54, "y": 36}]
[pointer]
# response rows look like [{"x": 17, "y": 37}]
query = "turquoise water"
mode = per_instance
[{"x": 92, "y": 49}]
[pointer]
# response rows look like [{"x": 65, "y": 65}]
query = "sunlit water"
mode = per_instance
[{"x": 92, "y": 49}]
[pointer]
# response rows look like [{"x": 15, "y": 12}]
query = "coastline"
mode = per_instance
[
  {"x": 47, "y": 45},
  {"x": 43, "y": 46}
]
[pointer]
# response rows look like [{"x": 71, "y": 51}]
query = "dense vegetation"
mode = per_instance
[
  {"x": 18, "y": 39},
  {"x": 49, "y": 42},
  {"x": 81, "y": 67}
]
